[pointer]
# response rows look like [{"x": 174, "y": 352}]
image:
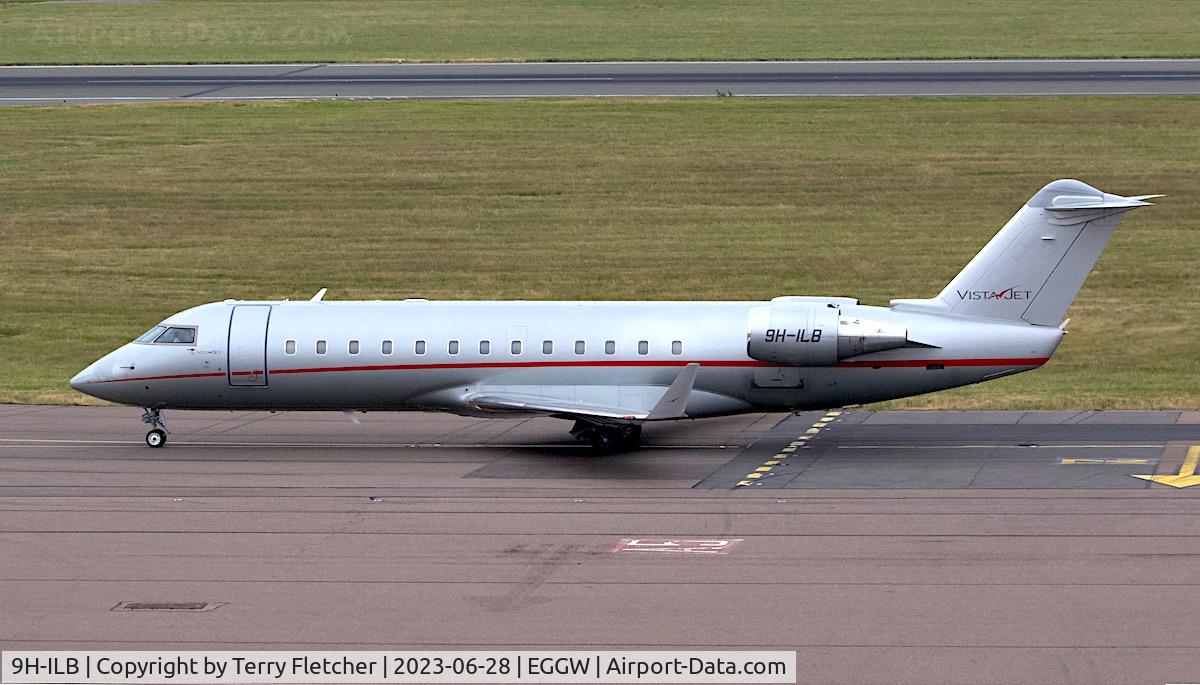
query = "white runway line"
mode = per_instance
[
  {"x": 526, "y": 96},
  {"x": 271, "y": 65},
  {"x": 431, "y": 80},
  {"x": 410, "y": 445}
]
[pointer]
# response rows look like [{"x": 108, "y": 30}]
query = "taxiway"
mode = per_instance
[
  {"x": 904, "y": 547},
  {"x": 73, "y": 84}
]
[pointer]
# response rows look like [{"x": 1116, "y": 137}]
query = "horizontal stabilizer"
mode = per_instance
[{"x": 1106, "y": 201}]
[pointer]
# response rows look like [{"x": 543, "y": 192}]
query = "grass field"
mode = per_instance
[
  {"x": 113, "y": 217},
  {"x": 439, "y": 30}
]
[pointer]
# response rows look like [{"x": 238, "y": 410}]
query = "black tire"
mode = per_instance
[
  {"x": 604, "y": 440},
  {"x": 631, "y": 436},
  {"x": 156, "y": 438},
  {"x": 615, "y": 439}
]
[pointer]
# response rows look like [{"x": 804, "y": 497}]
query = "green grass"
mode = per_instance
[
  {"x": 113, "y": 217},
  {"x": 439, "y": 30}
]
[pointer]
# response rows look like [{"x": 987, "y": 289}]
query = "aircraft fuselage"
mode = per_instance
[{"x": 434, "y": 355}]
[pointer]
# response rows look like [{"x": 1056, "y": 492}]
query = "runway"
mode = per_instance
[
  {"x": 72, "y": 84},
  {"x": 903, "y": 547}
]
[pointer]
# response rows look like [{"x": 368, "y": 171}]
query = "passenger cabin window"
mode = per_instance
[
  {"x": 151, "y": 335},
  {"x": 353, "y": 347},
  {"x": 387, "y": 347},
  {"x": 322, "y": 347},
  {"x": 452, "y": 348},
  {"x": 677, "y": 347},
  {"x": 289, "y": 347},
  {"x": 516, "y": 347},
  {"x": 610, "y": 347},
  {"x": 419, "y": 347},
  {"x": 485, "y": 347},
  {"x": 177, "y": 334},
  {"x": 643, "y": 347},
  {"x": 547, "y": 347},
  {"x": 580, "y": 348}
]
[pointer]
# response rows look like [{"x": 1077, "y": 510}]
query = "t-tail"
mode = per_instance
[{"x": 1033, "y": 268}]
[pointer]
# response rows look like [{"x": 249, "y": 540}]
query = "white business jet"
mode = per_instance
[{"x": 613, "y": 366}]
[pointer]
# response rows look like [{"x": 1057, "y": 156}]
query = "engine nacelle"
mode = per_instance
[{"x": 815, "y": 335}]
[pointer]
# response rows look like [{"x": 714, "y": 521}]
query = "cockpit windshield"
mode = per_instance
[
  {"x": 168, "y": 335},
  {"x": 177, "y": 334},
  {"x": 151, "y": 334}
]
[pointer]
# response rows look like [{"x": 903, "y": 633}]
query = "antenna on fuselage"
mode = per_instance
[{"x": 320, "y": 295}]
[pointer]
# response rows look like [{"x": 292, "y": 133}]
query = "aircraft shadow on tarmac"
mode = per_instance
[{"x": 572, "y": 461}]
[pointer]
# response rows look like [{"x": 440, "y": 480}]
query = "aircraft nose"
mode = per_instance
[
  {"x": 85, "y": 381},
  {"x": 81, "y": 379}
]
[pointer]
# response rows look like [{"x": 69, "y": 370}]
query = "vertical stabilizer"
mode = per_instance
[{"x": 1034, "y": 267}]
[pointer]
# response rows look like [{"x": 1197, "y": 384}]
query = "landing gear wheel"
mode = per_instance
[
  {"x": 157, "y": 437},
  {"x": 608, "y": 438},
  {"x": 617, "y": 438},
  {"x": 604, "y": 440}
]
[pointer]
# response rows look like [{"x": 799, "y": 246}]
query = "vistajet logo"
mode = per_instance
[{"x": 1007, "y": 294}]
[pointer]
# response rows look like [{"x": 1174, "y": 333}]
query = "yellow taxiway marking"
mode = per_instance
[
  {"x": 788, "y": 451},
  {"x": 1186, "y": 477},
  {"x": 995, "y": 446},
  {"x": 1068, "y": 462}
]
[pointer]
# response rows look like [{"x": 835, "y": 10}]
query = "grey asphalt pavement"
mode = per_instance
[
  {"x": 906, "y": 547},
  {"x": 67, "y": 84}
]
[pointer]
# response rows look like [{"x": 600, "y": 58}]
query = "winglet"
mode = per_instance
[
  {"x": 320, "y": 295},
  {"x": 674, "y": 401}
]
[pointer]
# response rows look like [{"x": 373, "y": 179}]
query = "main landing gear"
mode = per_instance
[
  {"x": 608, "y": 438},
  {"x": 157, "y": 437}
]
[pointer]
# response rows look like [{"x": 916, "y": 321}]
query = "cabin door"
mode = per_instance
[{"x": 248, "y": 344}]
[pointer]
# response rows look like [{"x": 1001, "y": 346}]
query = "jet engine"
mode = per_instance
[{"x": 816, "y": 335}]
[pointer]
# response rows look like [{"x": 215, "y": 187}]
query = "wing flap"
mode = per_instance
[
  {"x": 636, "y": 403},
  {"x": 539, "y": 404}
]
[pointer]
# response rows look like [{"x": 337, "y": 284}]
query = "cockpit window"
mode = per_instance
[
  {"x": 177, "y": 334},
  {"x": 151, "y": 334}
]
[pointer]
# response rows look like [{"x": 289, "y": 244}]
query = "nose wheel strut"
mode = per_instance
[{"x": 157, "y": 437}]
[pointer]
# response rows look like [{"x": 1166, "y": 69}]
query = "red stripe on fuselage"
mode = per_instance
[
  {"x": 890, "y": 363},
  {"x": 160, "y": 378},
  {"x": 1017, "y": 361}
]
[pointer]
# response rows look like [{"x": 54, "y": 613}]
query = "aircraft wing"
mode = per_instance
[{"x": 607, "y": 404}]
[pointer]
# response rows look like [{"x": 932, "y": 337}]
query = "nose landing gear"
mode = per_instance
[{"x": 157, "y": 437}]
